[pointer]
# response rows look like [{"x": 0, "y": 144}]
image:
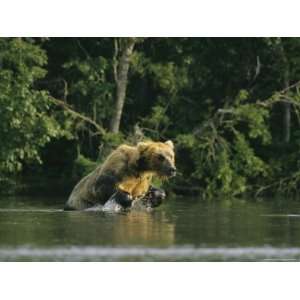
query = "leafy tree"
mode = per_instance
[{"x": 27, "y": 122}]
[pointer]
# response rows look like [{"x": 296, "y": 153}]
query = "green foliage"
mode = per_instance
[
  {"x": 83, "y": 166},
  {"x": 156, "y": 124},
  {"x": 226, "y": 162},
  {"x": 92, "y": 85},
  {"x": 168, "y": 77},
  {"x": 26, "y": 121}
]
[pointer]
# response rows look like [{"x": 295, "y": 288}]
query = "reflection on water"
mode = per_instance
[{"x": 182, "y": 229}]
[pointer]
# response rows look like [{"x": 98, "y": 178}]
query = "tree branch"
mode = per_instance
[{"x": 78, "y": 115}]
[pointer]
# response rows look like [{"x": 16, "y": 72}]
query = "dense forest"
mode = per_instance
[{"x": 231, "y": 106}]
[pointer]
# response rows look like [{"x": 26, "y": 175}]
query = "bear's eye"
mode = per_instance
[{"x": 161, "y": 157}]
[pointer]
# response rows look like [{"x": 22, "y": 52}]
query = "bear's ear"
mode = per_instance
[
  {"x": 142, "y": 146},
  {"x": 170, "y": 143}
]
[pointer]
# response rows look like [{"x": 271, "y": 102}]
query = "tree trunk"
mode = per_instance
[{"x": 121, "y": 68}]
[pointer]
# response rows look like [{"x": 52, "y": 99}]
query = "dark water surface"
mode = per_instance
[{"x": 183, "y": 229}]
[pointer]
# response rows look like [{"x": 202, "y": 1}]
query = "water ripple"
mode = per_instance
[{"x": 77, "y": 253}]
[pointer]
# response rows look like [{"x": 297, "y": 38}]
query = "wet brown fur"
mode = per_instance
[{"x": 131, "y": 168}]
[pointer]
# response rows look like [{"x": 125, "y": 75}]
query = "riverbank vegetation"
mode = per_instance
[{"x": 231, "y": 105}]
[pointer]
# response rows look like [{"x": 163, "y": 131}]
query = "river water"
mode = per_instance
[{"x": 183, "y": 229}]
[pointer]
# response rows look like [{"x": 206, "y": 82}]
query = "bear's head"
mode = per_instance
[{"x": 157, "y": 157}]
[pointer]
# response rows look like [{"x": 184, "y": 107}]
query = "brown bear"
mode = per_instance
[{"x": 126, "y": 174}]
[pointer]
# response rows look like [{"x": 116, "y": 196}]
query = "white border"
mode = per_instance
[
  {"x": 149, "y": 281},
  {"x": 149, "y": 18}
]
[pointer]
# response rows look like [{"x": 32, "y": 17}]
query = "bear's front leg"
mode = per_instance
[
  {"x": 154, "y": 197},
  {"x": 122, "y": 198},
  {"x": 119, "y": 201}
]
